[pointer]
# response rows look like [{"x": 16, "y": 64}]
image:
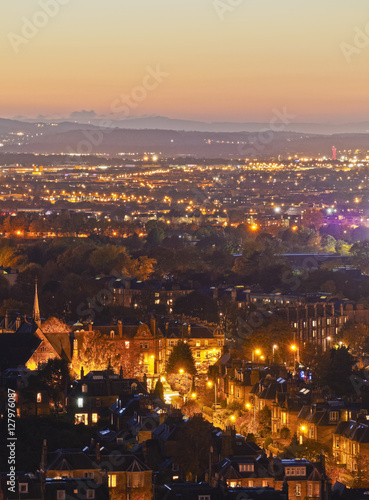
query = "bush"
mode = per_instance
[
  {"x": 235, "y": 406},
  {"x": 285, "y": 433},
  {"x": 267, "y": 442}
]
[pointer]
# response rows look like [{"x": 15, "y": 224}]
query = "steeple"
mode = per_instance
[{"x": 36, "y": 307}]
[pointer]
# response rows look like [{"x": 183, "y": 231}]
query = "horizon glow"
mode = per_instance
[{"x": 263, "y": 55}]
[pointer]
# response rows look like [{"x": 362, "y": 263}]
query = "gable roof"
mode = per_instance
[{"x": 17, "y": 348}]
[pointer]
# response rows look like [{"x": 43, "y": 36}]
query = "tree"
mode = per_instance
[
  {"x": 159, "y": 390},
  {"x": 193, "y": 447},
  {"x": 55, "y": 375},
  {"x": 335, "y": 371},
  {"x": 14, "y": 305},
  {"x": 142, "y": 268},
  {"x": 108, "y": 258},
  {"x": 358, "y": 478},
  {"x": 265, "y": 421},
  {"x": 54, "y": 325},
  {"x": 155, "y": 236},
  {"x": 356, "y": 337},
  {"x": 360, "y": 255},
  {"x": 198, "y": 305},
  {"x": 96, "y": 353},
  {"x": 181, "y": 359},
  {"x": 272, "y": 332}
]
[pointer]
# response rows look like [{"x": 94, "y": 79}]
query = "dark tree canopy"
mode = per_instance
[
  {"x": 181, "y": 358},
  {"x": 198, "y": 305},
  {"x": 193, "y": 447}
]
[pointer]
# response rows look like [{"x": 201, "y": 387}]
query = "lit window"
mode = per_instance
[
  {"x": 298, "y": 490},
  {"x": 94, "y": 418},
  {"x": 23, "y": 487},
  {"x": 198, "y": 354},
  {"x": 84, "y": 388},
  {"x": 112, "y": 480},
  {"x": 90, "y": 494},
  {"x": 246, "y": 467},
  {"x": 81, "y": 418},
  {"x": 251, "y": 484},
  {"x": 80, "y": 402},
  {"x": 39, "y": 397},
  {"x": 264, "y": 484},
  {"x": 126, "y": 343}
]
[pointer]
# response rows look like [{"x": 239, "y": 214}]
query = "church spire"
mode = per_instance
[{"x": 36, "y": 307}]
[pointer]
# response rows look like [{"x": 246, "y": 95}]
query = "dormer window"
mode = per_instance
[
  {"x": 246, "y": 467},
  {"x": 84, "y": 387}
]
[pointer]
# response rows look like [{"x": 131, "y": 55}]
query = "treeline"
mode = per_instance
[{"x": 67, "y": 267}]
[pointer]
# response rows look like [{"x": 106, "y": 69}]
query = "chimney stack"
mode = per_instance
[
  {"x": 153, "y": 326},
  {"x": 120, "y": 328}
]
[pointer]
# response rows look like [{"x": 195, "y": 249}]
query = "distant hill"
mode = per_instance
[{"x": 71, "y": 137}]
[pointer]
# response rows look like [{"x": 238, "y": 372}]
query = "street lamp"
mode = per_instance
[
  {"x": 274, "y": 348},
  {"x": 210, "y": 384},
  {"x": 303, "y": 430},
  {"x": 295, "y": 350},
  {"x": 257, "y": 352},
  {"x": 181, "y": 371}
]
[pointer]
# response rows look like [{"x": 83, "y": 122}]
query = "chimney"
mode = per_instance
[
  {"x": 166, "y": 327},
  {"x": 82, "y": 373},
  {"x": 17, "y": 322},
  {"x": 90, "y": 326},
  {"x": 44, "y": 456},
  {"x": 153, "y": 326},
  {"x": 98, "y": 454},
  {"x": 120, "y": 328},
  {"x": 189, "y": 329},
  {"x": 121, "y": 372},
  {"x": 227, "y": 442},
  {"x": 6, "y": 324},
  {"x": 215, "y": 293}
]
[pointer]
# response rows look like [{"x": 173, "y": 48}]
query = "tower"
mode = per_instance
[
  {"x": 334, "y": 153},
  {"x": 36, "y": 308}
]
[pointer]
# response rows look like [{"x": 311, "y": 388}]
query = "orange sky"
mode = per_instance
[{"x": 237, "y": 65}]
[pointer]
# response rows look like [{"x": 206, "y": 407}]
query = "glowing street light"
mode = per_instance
[
  {"x": 295, "y": 350},
  {"x": 210, "y": 384},
  {"x": 257, "y": 352},
  {"x": 181, "y": 371}
]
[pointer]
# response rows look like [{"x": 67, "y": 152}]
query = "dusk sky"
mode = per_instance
[{"x": 263, "y": 54}]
